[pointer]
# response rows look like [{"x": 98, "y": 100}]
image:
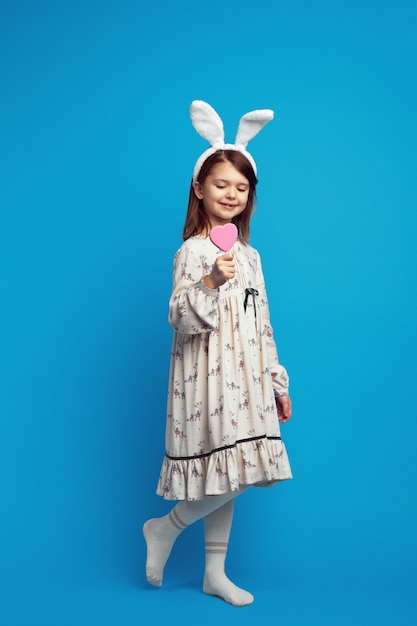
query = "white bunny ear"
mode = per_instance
[
  {"x": 250, "y": 124},
  {"x": 207, "y": 122}
]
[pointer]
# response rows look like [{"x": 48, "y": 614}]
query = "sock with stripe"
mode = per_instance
[
  {"x": 217, "y": 527},
  {"x": 160, "y": 534}
]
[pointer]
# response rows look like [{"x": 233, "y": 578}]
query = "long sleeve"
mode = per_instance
[
  {"x": 193, "y": 307},
  {"x": 280, "y": 378}
]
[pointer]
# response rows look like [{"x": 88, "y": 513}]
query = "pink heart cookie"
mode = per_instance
[{"x": 224, "y": 236}]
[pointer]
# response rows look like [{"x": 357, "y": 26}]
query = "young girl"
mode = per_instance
[{"x": 227, "y": 390}]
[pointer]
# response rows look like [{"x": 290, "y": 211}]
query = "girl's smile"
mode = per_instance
[{"x": 224, "y": 193}]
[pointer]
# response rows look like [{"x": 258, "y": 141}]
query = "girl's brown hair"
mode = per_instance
[{"x": 197, "y": 222}]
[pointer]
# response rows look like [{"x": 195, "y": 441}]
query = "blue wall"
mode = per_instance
[{"x": 96, "y": 154}]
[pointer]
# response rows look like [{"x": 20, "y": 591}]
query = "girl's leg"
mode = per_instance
[
  {"x": 217, "y": 527},
  {"x": 161, "y": 532}
]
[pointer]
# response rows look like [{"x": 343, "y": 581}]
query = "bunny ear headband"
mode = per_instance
[{"x": 210, "y": 126}]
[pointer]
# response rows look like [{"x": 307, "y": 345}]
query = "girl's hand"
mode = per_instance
[
  {"x": 223, "y": 270},
  {"x": 284, "y": 407}
]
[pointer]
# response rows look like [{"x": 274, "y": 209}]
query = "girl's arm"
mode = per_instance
[
  {"x": 280, "y": 379},
  {"x": 193, "y": 305}
]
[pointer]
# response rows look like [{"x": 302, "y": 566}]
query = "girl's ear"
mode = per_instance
[{"x": 197, "y": 190}]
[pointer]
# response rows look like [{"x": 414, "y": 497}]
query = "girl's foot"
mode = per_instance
[
  {"x": 219, "y": 585},
  {"x": 159, "y": 537}
]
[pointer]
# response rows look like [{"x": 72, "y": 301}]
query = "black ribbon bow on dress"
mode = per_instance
[{"x": 249, "y": 291}]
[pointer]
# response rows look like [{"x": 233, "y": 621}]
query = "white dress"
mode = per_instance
[{"x": 222, "y": 428}]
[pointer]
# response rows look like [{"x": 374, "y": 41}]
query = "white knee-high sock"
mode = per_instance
[
  {"x": 217, "y": 528},
  {"x": 161, "y": 532}
]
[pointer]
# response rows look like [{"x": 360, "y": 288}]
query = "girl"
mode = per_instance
[{"x": 227, "y": 390}]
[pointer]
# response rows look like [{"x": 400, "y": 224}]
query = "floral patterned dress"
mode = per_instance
[{"x": 222, "y": 428}]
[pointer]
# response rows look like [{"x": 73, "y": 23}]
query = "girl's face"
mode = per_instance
[{"x": 224, "y": 193}]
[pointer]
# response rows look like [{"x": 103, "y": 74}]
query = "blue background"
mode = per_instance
[{"x": 97, "y": 151}]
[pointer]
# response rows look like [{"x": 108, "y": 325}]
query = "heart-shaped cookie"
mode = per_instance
[{"x": 224, "y": 236}]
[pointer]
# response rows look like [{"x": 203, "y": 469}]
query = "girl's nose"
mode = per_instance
[{"x": 230, "y": 192}]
